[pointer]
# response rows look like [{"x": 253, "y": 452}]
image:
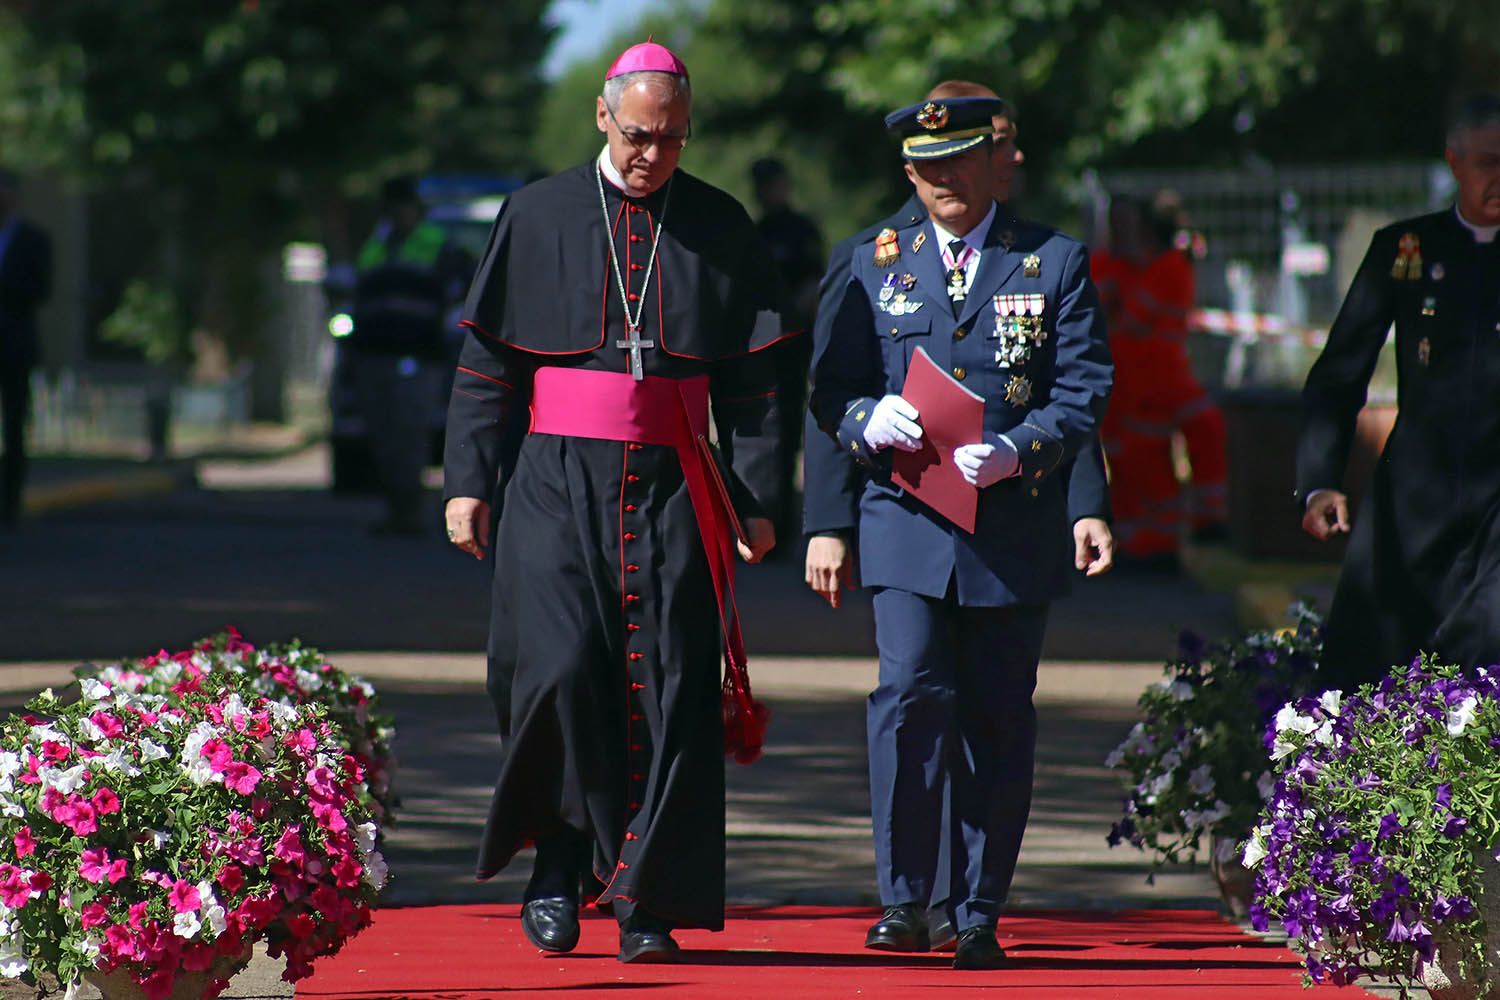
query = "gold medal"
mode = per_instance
[
  {"x": 887, "y": 248},
  {"x": 1018, "y": 390}
]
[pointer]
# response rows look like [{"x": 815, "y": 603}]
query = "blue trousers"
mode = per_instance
[{"x": 953, "y": 707}]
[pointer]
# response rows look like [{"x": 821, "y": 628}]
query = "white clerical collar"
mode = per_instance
[
  {"x": 1482, "y": 234},
  {"x": 974, "y": 237},
  {"x": 607, "y": 168}
]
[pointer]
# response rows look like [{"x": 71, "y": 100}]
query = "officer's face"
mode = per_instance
[
  {"x": 957, "y": 190},
  {"x": 1007, "y": 156},
  {"x": 1475, "y": 162},
  {"x": 646, "y": 133}
]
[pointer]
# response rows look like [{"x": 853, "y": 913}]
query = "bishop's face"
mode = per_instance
[
  {"x": 1475, "y": 162},
  {"x": 646, "y": 133},
  {"x": 957, "y": 190}
]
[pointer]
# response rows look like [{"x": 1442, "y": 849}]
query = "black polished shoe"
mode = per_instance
[
  {"x": 551, "y": 924},
  {"x": 978, "y": 949},
  {"x": 902, "y": 928},
  {"x": 940, "y": 936},
  {"x": 645, "y": 938}
]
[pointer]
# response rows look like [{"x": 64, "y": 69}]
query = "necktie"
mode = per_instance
[{"x": 957, "y": 254}]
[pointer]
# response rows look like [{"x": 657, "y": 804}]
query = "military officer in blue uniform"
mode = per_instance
[
  {"x": 1422, "y": 571},
  {"x": 1007, "y": 307}
]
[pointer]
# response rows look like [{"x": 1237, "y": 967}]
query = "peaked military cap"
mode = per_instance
[{"x": 947, "y": 126}]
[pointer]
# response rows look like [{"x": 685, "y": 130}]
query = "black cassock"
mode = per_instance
[
  {"x": 1422, "y": 571},
  {"x": 605, "y": 644}
]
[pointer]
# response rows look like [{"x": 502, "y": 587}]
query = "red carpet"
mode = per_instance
[{"x": 795, "y": 952}]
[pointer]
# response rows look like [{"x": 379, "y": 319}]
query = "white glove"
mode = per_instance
[
  {"x": 989, "y": 462},
  {"x": 893, "y": 424}
]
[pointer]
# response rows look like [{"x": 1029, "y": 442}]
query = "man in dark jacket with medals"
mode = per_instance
[
  {"x": 1423, "y": 565},
  {"x": 615, "y": 300},
  {"x": 833, "y": 481},
  {"x": 1007, "y": 308}
]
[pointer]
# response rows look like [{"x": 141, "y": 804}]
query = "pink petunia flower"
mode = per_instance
[
  {"x": 241, "y": 777},
  {"x": 108, "y": 724},
  {"x": 25, "y": 842},
  {"x": 183, "y": 897},
  {"x": 105, "y": 802},
  {"x": 94, "y": 865},
  {"x": 231, "y": 878},
  {"x": 289, "y": 847}
]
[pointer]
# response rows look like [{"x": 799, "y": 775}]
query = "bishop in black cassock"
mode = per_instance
[{"x": 605, "y": 637}]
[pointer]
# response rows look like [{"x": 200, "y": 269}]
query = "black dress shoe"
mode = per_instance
[
  {"x": 551, "y": 924},
  {"x": 647, "y": 945},
  {"x": 978, "y": 949},
  {"x": 940, "y": 936},
  {"x": 902, "y": 928}
]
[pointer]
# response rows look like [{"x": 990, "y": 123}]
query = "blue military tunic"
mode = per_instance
[{"x": 1047, "y": 399}]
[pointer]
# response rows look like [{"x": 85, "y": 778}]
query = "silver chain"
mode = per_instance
[{"x": 631, "y": 323}]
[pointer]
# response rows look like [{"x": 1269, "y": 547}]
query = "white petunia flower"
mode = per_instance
[
  {"x": 1201, "y": 780},
  {"x": 376, "y": 871},
  {"x": 1328, "y": 701},
  {"x": 1288, "y": 718},
  {"x": 1460, "y": 717},
  {"x": 95, "y": 689},
  {"x": 13, "y": 964},
  {"x": 10, "y": 764},
  {"x": 364, "y": 837},
  {"x": 186, "y": 925},
  {"x": 1265, "y": 785},
  {"x": 160, "y": 838},
  {"x": 67, "y": 782},
  {"x": 198, "y": 769},
  {"x": 117, "y": 762},
  {"x": 151, "y": 750},
  {"x": 1255, "y": 850}
]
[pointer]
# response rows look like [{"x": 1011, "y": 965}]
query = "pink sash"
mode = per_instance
[{"x": 614, "y": 406}]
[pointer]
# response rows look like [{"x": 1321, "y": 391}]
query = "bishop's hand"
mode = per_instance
[
  {"x": 468, "y": 521},
  {"x": 893, "y": 424},
  {"x": 761, "y": 534}
]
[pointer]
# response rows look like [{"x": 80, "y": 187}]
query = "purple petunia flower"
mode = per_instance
[
  {"x": 1362, "y": 853},
  {"x": 1444, "y": 794},
  {"x": 1390, "y": 825},
  {"x": 1455, "y": 826}
]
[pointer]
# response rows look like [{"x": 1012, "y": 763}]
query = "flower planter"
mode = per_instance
[
  {"x": 1442, "y": 976},
  {"x": 1236, "y": 882},
  {"x": 121, "y": 985}
]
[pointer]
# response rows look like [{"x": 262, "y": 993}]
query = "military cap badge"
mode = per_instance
[
  {"x": 932, "y": 116},
  {"x": 887, "y": 248}
]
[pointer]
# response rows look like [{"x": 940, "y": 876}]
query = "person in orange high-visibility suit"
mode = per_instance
[{"x": 1148, "y": 289}]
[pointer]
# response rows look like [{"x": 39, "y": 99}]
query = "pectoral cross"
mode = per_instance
[{"x": 633, "y": 344}]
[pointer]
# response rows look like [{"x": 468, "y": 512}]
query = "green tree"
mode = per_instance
[{"x": 247, "y": 121}]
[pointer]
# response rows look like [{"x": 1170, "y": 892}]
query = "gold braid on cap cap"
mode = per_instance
[{"x": 915, "y": 144}]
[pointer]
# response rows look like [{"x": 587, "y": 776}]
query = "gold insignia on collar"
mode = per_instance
[
  {"x": 1018, "y": 390},
  {"x": 916, "y": 243},
  {"x": 1032, "y": 266},
  {"x": 887, "y": 248},
  {"x": 932, "y": 116}
]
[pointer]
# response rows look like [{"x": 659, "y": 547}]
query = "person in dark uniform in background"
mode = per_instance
[
  {"x": 25, "y": 284},
  {"x": 797, "y": 248},
  {"x": 407, "y": 275},
  {"x": 1422, "y": 571},
  {"x": 832, "y": 481},
  {"x": 1007, "y": 307},
  {"x": 616, "y": 299}
]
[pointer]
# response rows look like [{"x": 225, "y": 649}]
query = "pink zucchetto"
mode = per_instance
[{"x": 646, "y": 57}]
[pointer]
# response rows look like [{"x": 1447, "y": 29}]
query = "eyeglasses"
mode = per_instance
[{"x": 642, "y": 140}]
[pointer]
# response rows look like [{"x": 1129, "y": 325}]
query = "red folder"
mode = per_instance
[{"x": 950, "y": 416}]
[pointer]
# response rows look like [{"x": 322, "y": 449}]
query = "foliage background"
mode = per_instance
[{"x": 236, "y": 126}]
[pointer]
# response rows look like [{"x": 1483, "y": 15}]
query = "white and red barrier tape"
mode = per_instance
[{"x": 1250, "y": 327}]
